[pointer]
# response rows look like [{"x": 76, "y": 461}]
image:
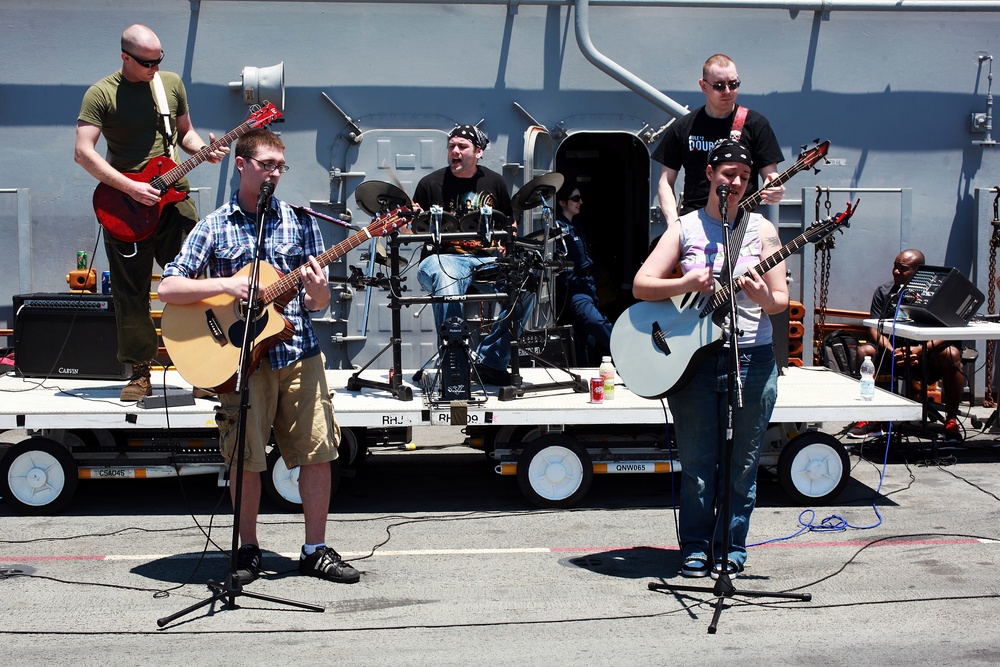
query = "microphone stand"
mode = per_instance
[
  {"x": 724, "y": 587},
  {"x": 232, "y": 587}
]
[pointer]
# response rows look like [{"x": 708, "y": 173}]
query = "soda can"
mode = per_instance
[
  {"x": 392, "y": 374},
  {"x": 597, "y": 390},
  {"x": 81, "y": 259},
  {"x": 106, "y": 282}
]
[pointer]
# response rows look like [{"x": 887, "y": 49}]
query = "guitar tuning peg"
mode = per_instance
[
  {"x": 816, "y": 140},
  {"x": 816, "y": 170},
  {"x": 803, "y": 147}
]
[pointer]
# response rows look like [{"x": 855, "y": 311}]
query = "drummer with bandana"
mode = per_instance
[{"x": 447, "y": 269}]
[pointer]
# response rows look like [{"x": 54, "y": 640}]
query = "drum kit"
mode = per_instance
[{"x": 528, "y": 253}]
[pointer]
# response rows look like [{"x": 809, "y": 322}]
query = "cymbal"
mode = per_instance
[
  {"x": 530, "y": 195},
  {"x": 375, "y": 196},
  {"x": 422, "y": 223},
  {"x": 470, "y": 222}
]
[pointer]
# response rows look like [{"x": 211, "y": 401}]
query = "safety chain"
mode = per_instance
[
  {"x": 988, "y": 400},
  {"x": 821, "y": 287}
]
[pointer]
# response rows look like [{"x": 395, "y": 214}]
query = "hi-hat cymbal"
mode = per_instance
[
  {"x": 470, "y": 222},
  {"x": 422, "y": 223},
  {"x": 530, "y": 196},
  {"x": 376, "y": 196}
]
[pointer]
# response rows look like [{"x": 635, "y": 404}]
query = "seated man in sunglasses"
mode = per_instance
[
  {"x": 689, "y": 140},
  {"x": 123, "y": 107}
]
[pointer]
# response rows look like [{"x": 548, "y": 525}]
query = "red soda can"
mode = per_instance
[{"x": 596, "y": 390}]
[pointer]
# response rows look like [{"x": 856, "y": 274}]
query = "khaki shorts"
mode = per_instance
[{"x": 294, "y": 403}]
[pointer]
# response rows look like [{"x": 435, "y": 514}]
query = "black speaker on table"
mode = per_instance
[
  {"x": 940, "y": 295},
  {"x": 67, "y": 336}
]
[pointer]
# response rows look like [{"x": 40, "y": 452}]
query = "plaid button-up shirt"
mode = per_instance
[{"x": 223, "y": 243}]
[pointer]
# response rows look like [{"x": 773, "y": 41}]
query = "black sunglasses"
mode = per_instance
[
  {"x": 732, "y": 85},
  {"x": 574, "y": 198},
  {"x": 148, "y": 64}
]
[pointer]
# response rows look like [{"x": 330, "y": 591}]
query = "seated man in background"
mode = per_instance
[{"x": 943, "y": 358}]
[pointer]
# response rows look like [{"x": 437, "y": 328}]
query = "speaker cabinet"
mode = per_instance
[{"x": 67, "y": 336}]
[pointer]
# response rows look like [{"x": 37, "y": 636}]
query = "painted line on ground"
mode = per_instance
[{"x": 508, "y": 551}]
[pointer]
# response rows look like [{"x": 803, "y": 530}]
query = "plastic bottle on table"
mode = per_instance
[
  {"x": 867, "y": 379},
  {"x": 607, "y": 371}
]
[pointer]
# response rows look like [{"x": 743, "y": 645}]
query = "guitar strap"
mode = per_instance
[
  {"x": 735, "y": 241},
  {"x": 164, "y": 108},
  {"x": 740, "y": 228},
  {"x": 738, "y": 120}
]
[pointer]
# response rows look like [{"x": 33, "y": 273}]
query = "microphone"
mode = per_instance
[
  {"x": 266, "y": 190},
  {"x": 723, "y": 192}
]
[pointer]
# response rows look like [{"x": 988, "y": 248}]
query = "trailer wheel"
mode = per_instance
[
  {"x": 353, "y": 447},
  {"x": 38, "y": 476},
  {"x": 282, "y": 484},
  {"x": 813, "y": 468},
  {"x": 554, "y": 471}
]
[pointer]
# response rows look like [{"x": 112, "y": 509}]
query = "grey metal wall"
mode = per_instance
[{"x": 893, "y": 91}]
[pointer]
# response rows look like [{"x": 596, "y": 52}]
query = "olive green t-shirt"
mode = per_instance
[{"x": 129, "y": 119}]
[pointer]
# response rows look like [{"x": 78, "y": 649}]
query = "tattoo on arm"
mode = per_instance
[{"x": 772, "y": 241}]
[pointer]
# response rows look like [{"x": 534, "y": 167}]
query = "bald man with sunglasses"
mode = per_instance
[
  {"x": 689, "y": 140},
  {"x": 123, "y": 108}
]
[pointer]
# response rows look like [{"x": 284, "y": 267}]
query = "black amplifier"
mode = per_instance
[
  {"x": 940, "y": 295},
  {"x": 554, "y": 345},
  {"x": 67, "y": 336}
]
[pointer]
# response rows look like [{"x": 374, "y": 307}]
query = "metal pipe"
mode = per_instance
[
  {"x": 791, "y": 5},
  {"x": 616, "y": 71}
]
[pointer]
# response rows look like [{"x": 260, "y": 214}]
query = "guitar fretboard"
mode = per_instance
[
  {"x": 379, "y": 227},
  {"x": 175, "y": 174},
  {"x": 805, "y": 161}
]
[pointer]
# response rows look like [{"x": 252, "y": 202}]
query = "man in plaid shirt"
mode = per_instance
[{"x": 288, "y": 392}]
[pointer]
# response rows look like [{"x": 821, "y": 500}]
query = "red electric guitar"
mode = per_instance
[{"x": 127, "y": 220}]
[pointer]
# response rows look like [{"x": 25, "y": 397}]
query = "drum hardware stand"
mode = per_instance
[
  {"x": 517, "y": 387},
  {"x": 395, "y": 385},
  {"x": 455, "y": 367},
  {"x": 724, "y": 587},
  {"x": 232, "y": 587}
]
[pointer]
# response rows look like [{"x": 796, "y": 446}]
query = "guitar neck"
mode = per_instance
[
  {"x": 292, "y": 280},
  {"x": 756, "y": 198},
  {"x": 175, "y": 174},
  {"x": 723, "y": 295}
]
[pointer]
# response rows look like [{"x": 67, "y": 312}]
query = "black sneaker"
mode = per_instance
[
  {"x": 249, "y": 562},
  {"x": 325, "y": 563},
  {"x": 490, "y": 375}
]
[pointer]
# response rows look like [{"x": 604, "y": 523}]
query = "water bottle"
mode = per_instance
[
  {"x": 607, "y": 371},
  {"x": 867, "y": 379}
]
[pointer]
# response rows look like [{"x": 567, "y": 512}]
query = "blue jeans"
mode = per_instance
[
  {"x": 699, "y": 412},
  {"x": 451, "y": 275},
  {"x": 592, "y": 329}
]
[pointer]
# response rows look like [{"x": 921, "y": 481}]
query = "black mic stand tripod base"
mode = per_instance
[
  {"x": 724, "y": 587},
  {"x": 232, "y": 587}
]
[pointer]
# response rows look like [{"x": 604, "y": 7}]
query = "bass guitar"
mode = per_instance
[
  {"x": 127, "y": 220},
  {"x": 204, "y": 338},
  {"x": 807, "y": 160},
  {"x": 657, "y": 345}
]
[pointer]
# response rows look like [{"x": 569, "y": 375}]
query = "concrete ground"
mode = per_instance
[{"x": 459, "y": 569}]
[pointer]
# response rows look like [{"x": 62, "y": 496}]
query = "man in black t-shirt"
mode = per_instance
[
  {"x": 943, "y": 358},
  {"x": 689, "y": 140},
  {"x": 464, "y": 187}
]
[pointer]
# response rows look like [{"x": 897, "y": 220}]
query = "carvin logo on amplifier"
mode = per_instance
[{"x": 66, "y": 335}]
